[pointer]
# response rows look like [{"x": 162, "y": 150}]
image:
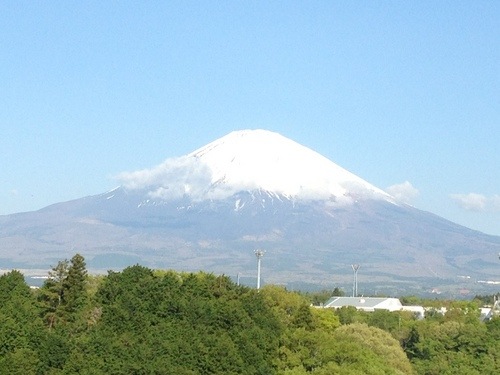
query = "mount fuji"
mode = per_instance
[
  {"x": 252, "y": 160},
  {"x": 254, "y": 189}
]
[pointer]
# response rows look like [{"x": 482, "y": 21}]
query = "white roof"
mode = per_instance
[
  {"x": 485, "y": 313},
  {"x": 365, "y": 303}
]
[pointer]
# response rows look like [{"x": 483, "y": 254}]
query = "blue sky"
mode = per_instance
[{"x": 405, "y": 94}]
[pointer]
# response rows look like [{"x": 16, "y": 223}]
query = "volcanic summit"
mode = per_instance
[{"x": 252, "y": 160}]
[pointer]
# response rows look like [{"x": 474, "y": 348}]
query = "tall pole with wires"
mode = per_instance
[
  {"x": 355, "y": 268},
  {"x": 259, "y": 254}
]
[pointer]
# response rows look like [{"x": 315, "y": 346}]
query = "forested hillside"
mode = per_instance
[{"x": 141, "y": 321}]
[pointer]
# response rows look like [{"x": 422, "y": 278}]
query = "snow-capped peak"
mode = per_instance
[{"x": 249, "y": 160}]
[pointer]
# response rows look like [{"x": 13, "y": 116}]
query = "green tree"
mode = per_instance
[
  {"x": 75, "y": 287},
  {"x": 51, "y": 294},
  {"x": 386, "y": 349},
  {"x": 349, "y": 315},
  {"x": 385, "y": 320},
  {"x": 21, "y": 361},
  {"x": 325, "y": 320},
  {"x": 21, "y": 329},
  {"x": 455, "y": 346},
  {"x": 351, "y": 349},
  {"x": 184, "y": 323},
  {"x": 337, "y": 292},
  {"x": 320, "y": 297},
  {"x": 291, "y": 308},
  {"x": 64, "y": 293}
]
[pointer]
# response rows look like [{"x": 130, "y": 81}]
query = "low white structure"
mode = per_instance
[
  {"x": 374, "y": 303},
  {"x": 365, "y": 303},
  {"x": 495, "y": 310},
  {"x": 371, "y": 304},
  {"x": 486, "y": 313}
]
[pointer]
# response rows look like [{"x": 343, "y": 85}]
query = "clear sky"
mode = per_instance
[{"x": 405, "y": 94}]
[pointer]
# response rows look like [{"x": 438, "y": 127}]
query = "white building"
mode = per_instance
[
  {"x": 371, "y": 304},
  {"x": 365, "y": 303}
]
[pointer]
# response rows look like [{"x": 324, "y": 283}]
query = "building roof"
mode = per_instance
[
  {"x": 485, "y": 313},
  {"x": 365, "y": 303}
]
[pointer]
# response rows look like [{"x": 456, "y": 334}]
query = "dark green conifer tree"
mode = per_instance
[
  {"x": 51, "y": 294},
  {"x": 64, "y": 293},
  {"x": 74, "y": 286}
]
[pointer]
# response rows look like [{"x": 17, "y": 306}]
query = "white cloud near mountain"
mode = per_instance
[
  {"x": 477, "y": 202},
  {"x": 171, "y": 179},
  {"x": 404, "y": 192}
]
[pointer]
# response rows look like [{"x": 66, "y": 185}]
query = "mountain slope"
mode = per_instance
[{"x": 212, "y": 208}]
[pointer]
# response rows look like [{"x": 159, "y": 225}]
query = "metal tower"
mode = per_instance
[
  {"x": 355, "y": 268},
  {"x": 259, "y": 254}
]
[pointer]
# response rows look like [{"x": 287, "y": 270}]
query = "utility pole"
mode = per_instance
[
  {"x": 355, "y": 268},
  {"x": 259, "y": 254}
]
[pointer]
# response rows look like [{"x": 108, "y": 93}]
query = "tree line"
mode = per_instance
[{"x": 143, "y": 321}]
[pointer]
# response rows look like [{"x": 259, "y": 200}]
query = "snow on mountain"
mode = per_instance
[{"x": 252, "y": 160}]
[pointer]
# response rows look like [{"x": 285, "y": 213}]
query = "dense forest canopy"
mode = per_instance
[{"x": 142, "y": 321}]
